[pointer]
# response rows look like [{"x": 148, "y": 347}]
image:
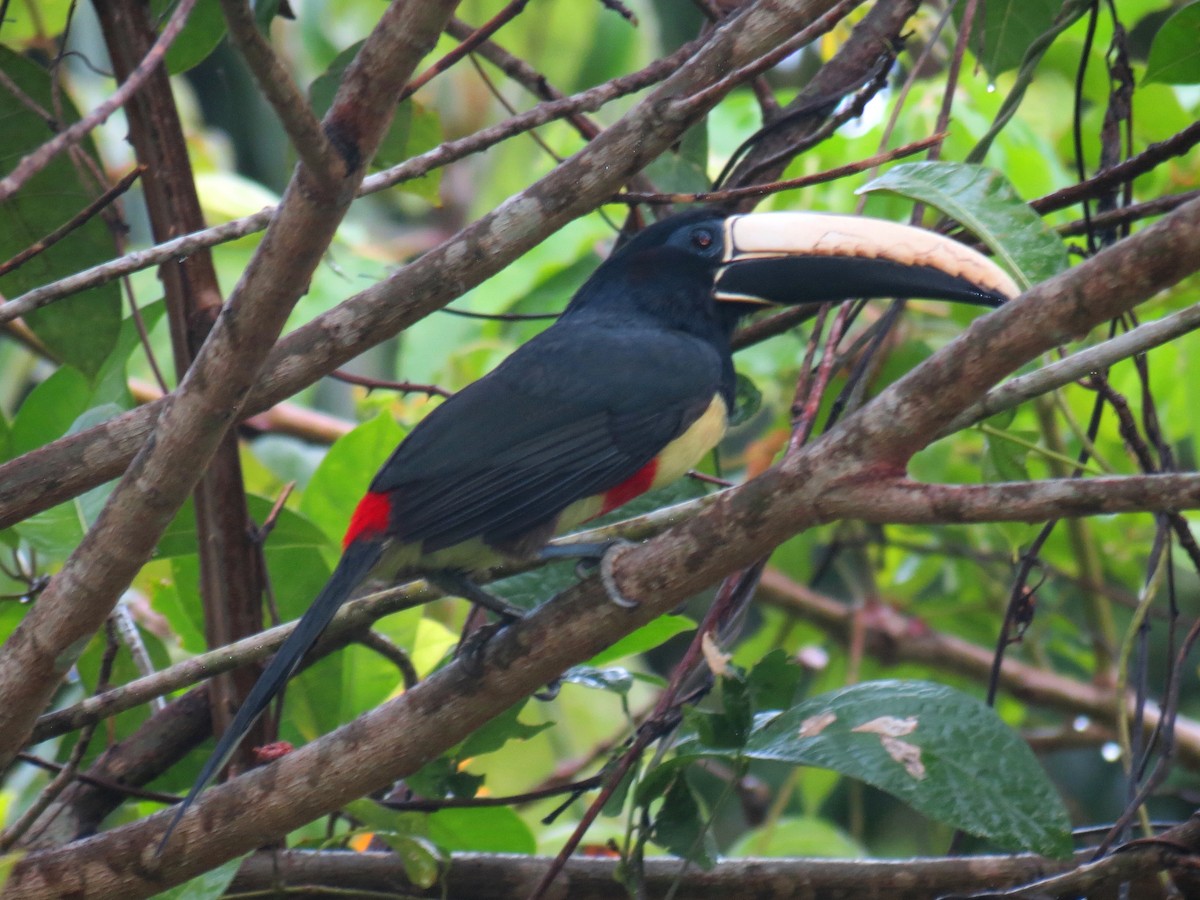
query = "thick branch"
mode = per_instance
[
  {"x": 910, "y": 502},
  {"x": 480, "y": 876}
]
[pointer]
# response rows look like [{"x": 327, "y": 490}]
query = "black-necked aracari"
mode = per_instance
[{"x": 626, "y": 391}]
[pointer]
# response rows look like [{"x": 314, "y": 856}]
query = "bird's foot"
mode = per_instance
[
  {"x": 595, "y": 556},
  {"x": 550, "y": 691},
  {"x": 471, "y": 648}
]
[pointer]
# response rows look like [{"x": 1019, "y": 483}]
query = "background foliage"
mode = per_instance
[{"x": 1047, "y": 95}]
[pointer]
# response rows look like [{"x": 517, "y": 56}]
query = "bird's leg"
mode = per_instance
[
  {"x": 460, "y": 585},
  {"x": 599, "y": 554}
]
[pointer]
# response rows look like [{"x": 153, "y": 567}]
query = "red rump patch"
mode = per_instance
[
  {"x": 370, "y": 518},
  {"x": 634, "y": 486}
]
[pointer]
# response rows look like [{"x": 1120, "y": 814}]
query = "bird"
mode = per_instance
[{"x": 626, "y": 391}]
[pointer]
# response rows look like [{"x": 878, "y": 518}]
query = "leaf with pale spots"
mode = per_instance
[{"x": 943, "y": 752}]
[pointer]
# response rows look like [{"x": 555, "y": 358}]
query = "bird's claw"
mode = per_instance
[
  {"x": 550, "y": 691},
  {"x": 608, "y": 577},
  {"x": 470, "y": 649}
]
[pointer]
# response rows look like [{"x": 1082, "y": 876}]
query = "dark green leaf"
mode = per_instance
[
  {"x": 681, "y": 828},
  {"x": 531, "y": 589},
  {"x": 1007, "y": 28},
  {"x": 747, "y": 401},
  {"x": 1175, "y": 53},
  {"x": 81, "y": 329},
  {"x": 199, "y": 38},
  {"x": 986, "y": 204},
  {"x": 941, "y": 751},
  {"x": 773, "y": 681},
  {"x": 442, "y": 777}
]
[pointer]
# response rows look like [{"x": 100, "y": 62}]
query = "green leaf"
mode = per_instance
[
  {"x": 486, "y": 829},
  {"x": 422, "y": 860},
  {"x": 799, "y": 836},
  {"x": 941, "y": 751},
  {"x": 747, "y": 401},
  {"x": 1175, "y": 52},
  {"x": 985, "y": 202},
  {"x": 1004, "y": 460},
  {"x": 111, "y": 381},
  {"x": 57, "y": 531},
  {"x": 649, "y": 636},
  {"x": 200, "y": 35},
  {"x": 49, "y": 410},
  {"x": 291, "y": 529},
  {"x": 345, "y": 473},
  {"x": 265, "y": 12},
  {"x": 1006, "y": 29},
  {"x": 208, "y": 886},
  {"x": 727, "y": 728},
  {"x": 81, "y": 329},
  {"x": 531, "y": 589},
  {"x": 773, "y": 681},
  {"x": 499, "y": 731},
  {"x": 681, "y": 828}
]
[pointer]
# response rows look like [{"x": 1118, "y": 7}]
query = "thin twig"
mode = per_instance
[
  {"x": 775, "y": 187},
  {"x": 481, "y": 34},
  {"x": 404, "y": 387}
]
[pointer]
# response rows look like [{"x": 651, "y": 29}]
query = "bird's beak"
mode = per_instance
[{"x": 793, "y": 258}]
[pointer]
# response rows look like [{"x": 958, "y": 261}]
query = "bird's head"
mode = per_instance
[{"x": 702, "y": 266}]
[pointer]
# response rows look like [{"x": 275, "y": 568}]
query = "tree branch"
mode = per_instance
[
  {"x": 1078, "y": 365},
  {"x": 279, "y": 88},
  {"x": 481, "y": 876}
]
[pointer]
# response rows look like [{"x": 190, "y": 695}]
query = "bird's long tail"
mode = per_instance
[{"x": 356, "y": 562}]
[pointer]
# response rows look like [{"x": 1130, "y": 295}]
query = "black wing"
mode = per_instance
[{"x": 569, "y": 415}]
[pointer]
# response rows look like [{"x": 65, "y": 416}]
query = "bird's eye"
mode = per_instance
[{"x": 702, "y": 239}]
